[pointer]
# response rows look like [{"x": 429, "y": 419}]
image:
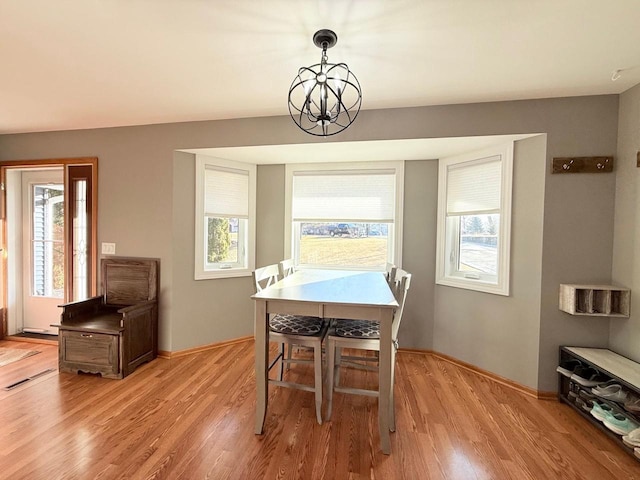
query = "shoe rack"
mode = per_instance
[{"x": 624, "y": 371}]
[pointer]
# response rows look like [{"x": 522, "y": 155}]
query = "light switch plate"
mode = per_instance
[{"x": 108, "y": 248}]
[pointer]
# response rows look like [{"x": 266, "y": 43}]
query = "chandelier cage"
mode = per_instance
[{"x": 325, "y": 98}]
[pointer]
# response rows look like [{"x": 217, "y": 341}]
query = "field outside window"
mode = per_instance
[
  {"x": 479, "y": 243},
  {"x": 344, "y": 244}
]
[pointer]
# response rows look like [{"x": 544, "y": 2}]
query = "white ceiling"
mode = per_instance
[{"x": 75, "y": 64}]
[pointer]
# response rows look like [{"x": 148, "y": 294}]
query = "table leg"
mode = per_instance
[
  {"x": 262, "y": 363},
  {"x": 385, "y": 380}
]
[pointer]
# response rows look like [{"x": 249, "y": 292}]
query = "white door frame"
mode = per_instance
[{"x": 39, "y": 312}]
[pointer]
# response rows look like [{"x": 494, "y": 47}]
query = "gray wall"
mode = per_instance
[
  {"x": 419, "y": 252},
  {"x": 270, "y": 214},
  {"x": 625, "y": 333},
  {"x": 146, "y": 207},
  {"x": 578, "y": 230},
  {"x": 500, "y": 333}
]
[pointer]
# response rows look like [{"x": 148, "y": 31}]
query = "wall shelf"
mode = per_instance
[{"x": 595, "y": 300}]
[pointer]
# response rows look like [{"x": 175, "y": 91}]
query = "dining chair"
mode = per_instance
[
  {"x": 364, "y": 335},
  {"x": 294, "y": 330},
  {"x": 286, "y": 267}
]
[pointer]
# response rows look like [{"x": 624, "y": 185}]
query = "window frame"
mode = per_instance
[
  {"x": 202, "y": 269},
  {"x": 447, "y": 244},
  {"x": 394, "y": 251},
  {"x": 47, "y": 240}
]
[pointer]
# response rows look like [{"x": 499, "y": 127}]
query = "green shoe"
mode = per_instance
[
  {"x": 620, "y": 424},
  {"x": 601, "y": 411}
]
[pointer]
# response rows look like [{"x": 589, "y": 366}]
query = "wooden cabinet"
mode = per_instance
[
  {"x": 615, "y": 367},
  {"x": 595, "y": 300},
  {"x": 114, "y": 333},
  {"x": 90, "y": 352}
]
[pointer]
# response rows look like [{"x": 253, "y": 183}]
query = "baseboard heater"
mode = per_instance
[
  {"x": 28, "y": 379},
  {"x": 34, "y": 330}
]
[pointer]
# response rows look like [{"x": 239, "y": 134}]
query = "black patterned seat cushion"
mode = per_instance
[
  {"x": 295, "y": 324},
  {"x": 357, "y": 328}
]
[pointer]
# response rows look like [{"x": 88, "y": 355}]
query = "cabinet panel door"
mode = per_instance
[{"x": 96, "y": 353}]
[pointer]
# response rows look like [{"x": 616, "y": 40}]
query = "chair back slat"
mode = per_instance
[
  {"x": 129, "y": 281},
  {"x": 286, "y": 267},
  {"x": 265, "y": 277},
  {"x": 390, "y": 273},
  {"x": 396, "y": 284},
  {"x": 400, "y": 289}
]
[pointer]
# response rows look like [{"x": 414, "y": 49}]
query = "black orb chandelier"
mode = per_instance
[{"x": 324, "y": 98}]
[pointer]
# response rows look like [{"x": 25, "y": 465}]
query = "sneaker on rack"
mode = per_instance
[
  {"x": 619, "y": 423},
  {"x": 588, "y": 377},
  {"x": 632, "y": 403},
  {"x": 567, "y": 367},
  {"x": 580, "y": 403},
  {"x": 632, "y": 439},
  {"x": 601, "y": 411},
  {"x": 587, "y": 397},
  {"x": 611, "y": 391}
]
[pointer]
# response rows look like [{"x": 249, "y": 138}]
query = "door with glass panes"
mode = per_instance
[
  {"x": 43, "y": 249},
  {"x": 49, "y": 233}
]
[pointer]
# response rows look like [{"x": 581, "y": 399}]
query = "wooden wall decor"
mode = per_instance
[
  {"x": 582, "y": 165},
  {"x": 638, "y": 159}
]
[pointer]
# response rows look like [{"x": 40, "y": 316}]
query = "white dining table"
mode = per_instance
[{"x": 328, "y": 294}]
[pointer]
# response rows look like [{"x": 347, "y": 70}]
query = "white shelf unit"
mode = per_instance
[{"x": 595, "y": 300}]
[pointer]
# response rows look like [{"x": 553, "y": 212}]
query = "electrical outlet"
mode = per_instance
[{"x": 108, "y": 248}]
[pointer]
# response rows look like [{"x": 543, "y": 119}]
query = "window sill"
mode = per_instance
[
  {"x": 222, "y": 273},
  {"x": 476, "y": 285}
]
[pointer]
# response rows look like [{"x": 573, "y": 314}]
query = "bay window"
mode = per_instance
[
  {"x": 225, "y": 218},
  {"x": 345, "y": 216},
  {"x": 474, "y": 220}
]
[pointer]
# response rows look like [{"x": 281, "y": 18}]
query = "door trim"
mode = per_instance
[{"x": 65, "y": 163}]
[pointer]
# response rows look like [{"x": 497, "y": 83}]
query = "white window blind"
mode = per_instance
[
  {"x": 226, "y": 193},
  {"x": 360, "y": 197},
  {"x": 474, "y": 187}
]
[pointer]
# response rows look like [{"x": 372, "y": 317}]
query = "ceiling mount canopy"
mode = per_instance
[{"x": 324, "y": 98}]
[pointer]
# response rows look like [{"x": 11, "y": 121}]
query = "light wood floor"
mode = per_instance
[{"x": 192, "y": 418}]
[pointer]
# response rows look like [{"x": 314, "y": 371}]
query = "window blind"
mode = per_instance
[
  {"x": 367, "y": 196},
  {"x": 474, "y": 187},
  {"x": 226, "y": 193}
]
